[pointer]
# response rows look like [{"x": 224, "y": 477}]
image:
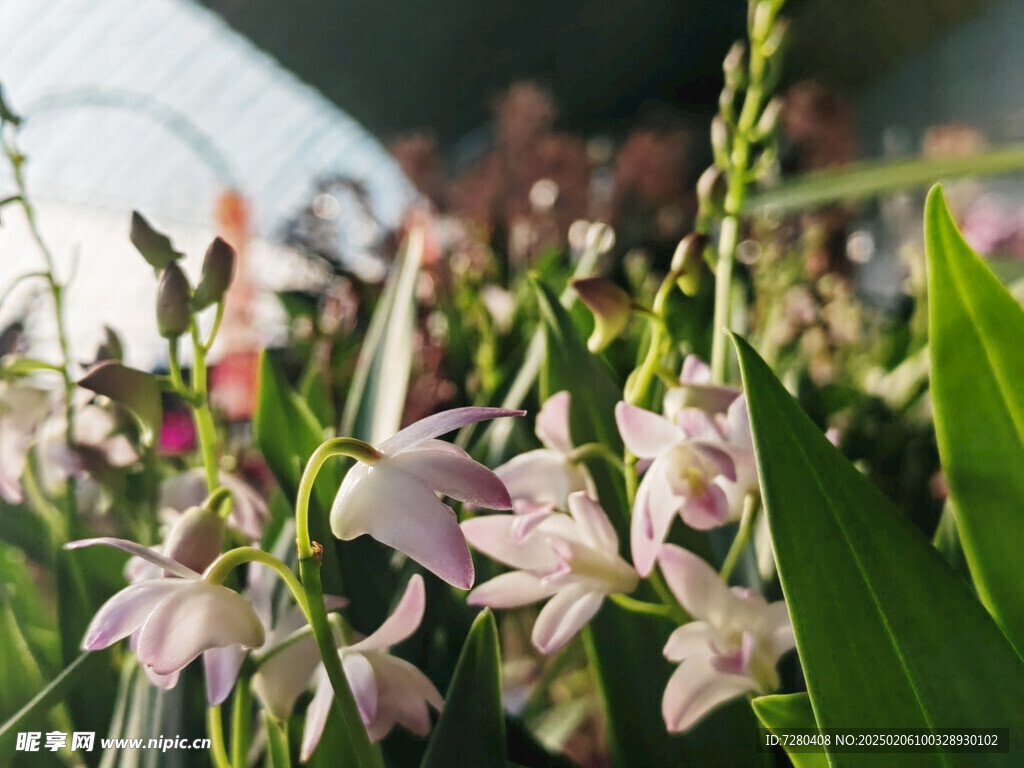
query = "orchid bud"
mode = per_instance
[
  {"x": 196, "y": 539},
  {"x": 610, "y": 305},
  {"x": 687, "y": 262},
  {"x": 769, "y": 120},
  {"x": 776, "y": 37},
  {"x": 720, "y": 142},
  {"x": 218, "y": 270},
  {"x": 110, "y": 348},
  {"x": 762, "y": 20},
  {"x": 155, "y": 247},
  {"x": 172, "y": 295},
  {"x": 712, "y": 187},
  {"x": 734, "y": 67}
]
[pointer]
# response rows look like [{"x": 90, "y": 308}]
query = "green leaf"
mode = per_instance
[
  {"x": 471, "y": 730},
  {"x": 976, "y": 333},
  {"x": 137, "y": 390},
  {"x": 376, "y": 399},
  {"x": 888, "y": 635},
  {"x": 865, "y": 180},
  {"x": 155, "y": 247},
  {"x": 46, "y": 698},
  {"x": 787, "y": 713}
]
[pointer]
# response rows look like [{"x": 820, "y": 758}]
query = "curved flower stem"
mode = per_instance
[
  {"x": 216, "y": 326},
  {"x": 309, "y": 571},
  {"x": 598, "y": 451},
  {"x": 661, "y": 610},
  {"x": 215, "y": 730},
  {"x": 223, "y": 565},
  {"x": 750, "y": 506},
  {"x": 205, "y": 428}
]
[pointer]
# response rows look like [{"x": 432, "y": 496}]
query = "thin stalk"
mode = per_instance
[
  {"x": 598, "y": 451},
  {"x": 644, "y": 608},
  {"x": 750, "y": 506},
  {"x": 215, "y": 730},
  {"x": 241, "y": 724},
  {"x": 205, "y": 428},
  {"x": 223, "y": 565}
]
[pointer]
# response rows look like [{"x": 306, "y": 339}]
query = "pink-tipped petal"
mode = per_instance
[
  {"x": 553, "y": 423},
  {"x": 456, "y": 476},
  {"x": 402, "y": 622},
  {"x": 193, "y": 618},
  {"x": 708, "y": 511},
  {"x": 441, "y": 424},
  {"x": 316, "y": 713},
  {"x": 653, "y": 512},
  {"x": 403, "y": 695},
  {"x": 125, "y": 612},
  {"x": 594, "y": 524},
  {"x": 690, "y": 639},
  {"x": 496, "y": 536},
  {"x": 171, "y": 566},
  {"x": 163, "y": 682},
  {"x": 285, "y": 676},
  {"x": 396, "y": 509},
  {"x": 563, "y": 616},
  {"x": 646, "y": 434},
  {"x": 696, "y": 688},
  {"x": 221, "y": 667},
  {"x": 695, "y": 584},
  {"x": 511, "y": 590},
  {"x": 695, "y": 371},
  {"x": 697, "y": 425},
  {"x": 362, "y": 682}
]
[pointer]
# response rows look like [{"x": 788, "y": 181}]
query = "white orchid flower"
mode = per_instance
[
  {"x": 388, "y": 690},
  {"x": 573, "y": 559},
  {"x": 731, "y": 648},
  {"x": 393, "y": 498}
]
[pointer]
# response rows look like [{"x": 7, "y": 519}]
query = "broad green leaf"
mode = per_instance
[
  {"x": 376, "y": 399},
  {"x": 790, "y": 712},
  {"x": 137, "y": 390},
  {"x": 888, "y": 635},
  {"x": 976, "y": 334},
  {"x": 471, "y": 730},
  {"x": 864, "y": 180}
]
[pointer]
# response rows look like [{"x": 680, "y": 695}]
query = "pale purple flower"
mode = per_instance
[
  {"x": 388, "y": 690},
  {"x": 541, "y": 480},
  {"x": 249, "y": 510},
  {"x": 732, "y": 647},
  {"x": 681, "y": 479},
  {"x": 22, "y": 409},
  {"x": 393, "y": 499},
  {"x": 571, "y": 558},
  {"x": 176, "y": 617},
  {"x": 95, "y": 434},
  {"x": 696, "y": 390}
]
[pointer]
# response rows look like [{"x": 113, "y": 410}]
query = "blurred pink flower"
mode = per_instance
[
  {"x": 22, "y": 408},
  {"x": 393, "y": 499},
  {"x": 574, "y": 559},
  {"x": 731, "y": 648},
  {"x": 388, "y": 690}
]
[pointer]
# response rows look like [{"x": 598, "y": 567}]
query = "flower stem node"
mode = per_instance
[
  {"x": 172, "y": 299},
  {"x": 610, "y": 306}
]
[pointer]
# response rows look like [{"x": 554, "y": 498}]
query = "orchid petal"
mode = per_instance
[
  {"x": 542, "y": 476},
  {"x": 283, "y": 677},
  {"x": 171, "y": 566},
  {"x": 696, "y": 688},
  {"x": 564, "y": 615},
  {"x": 362, "y": 682},
  {"x": 646, "y": 434},
  {"x": 689, "y": 640},
  {"x": 653, "y": 513},
  {"x": 402, "y": 622},
  {"x": 695, "y": 584},
  {"x": 528, "y": 515},
  {"x": 440, "y": 424},
  {"x": 707, "y": 511},
  {"x": 511, "y": 590},
  {"x": 597, "y": 530},
  {"x": 495, "y": 536},
  {"x": 553, "y": 423},
  {"x": 403, "y": 695},
  {"x": 163, "y": 682},
  {"x": 221, "y": 667},
  {"x": 459, "y": 477},
  {"x": 396, "y": 509},
  {"x": 697, "y": 425},
  {"x": 737, "y": 424},
  {"x": 125, "y": 612},
  {"x": 195, "y": 617},
  {"x": 695, "y": 371},
  {"x": 316, "y": 713}
]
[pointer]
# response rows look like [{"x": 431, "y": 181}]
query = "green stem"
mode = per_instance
[
  {"x": 205, "y": 428},
  {"x": 241, "y": 724},
  {"x": 223, "y": 565},
  {"x": 597, "y": 451},
  {"x": 339, "y": 446},
  {"x": 644, "y": 608},
  {"x": 215, "y": 730},
  {"x": 278, "y": 750},
  {"x": 216, "y": 326},
  {"x": 750, "y": 507}
]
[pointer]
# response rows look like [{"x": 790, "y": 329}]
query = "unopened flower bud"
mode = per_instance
[
  {"x": 734, "y": 67},
  {"x": 610, "y": 305},
  {"x": 218, "y": 270},
  {"x": 720, "y": 143},
  {"x": 155, "y": 247},
  {"x": 762, "y": 20},
  {"x": 776, "y": 38},
  {"x": 712, "y": 187},
  {"x": 769, "y": 119},
  {"x": 687, "y": 262},
  {"x": 172, "y": 295},
  {"x": 196, "y": 539}
]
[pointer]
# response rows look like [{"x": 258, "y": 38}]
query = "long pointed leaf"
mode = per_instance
[
  {"x": 976, "y": 342},
  {"x": 787, "y": 713},
  {"x": 888, "y": 635}
]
